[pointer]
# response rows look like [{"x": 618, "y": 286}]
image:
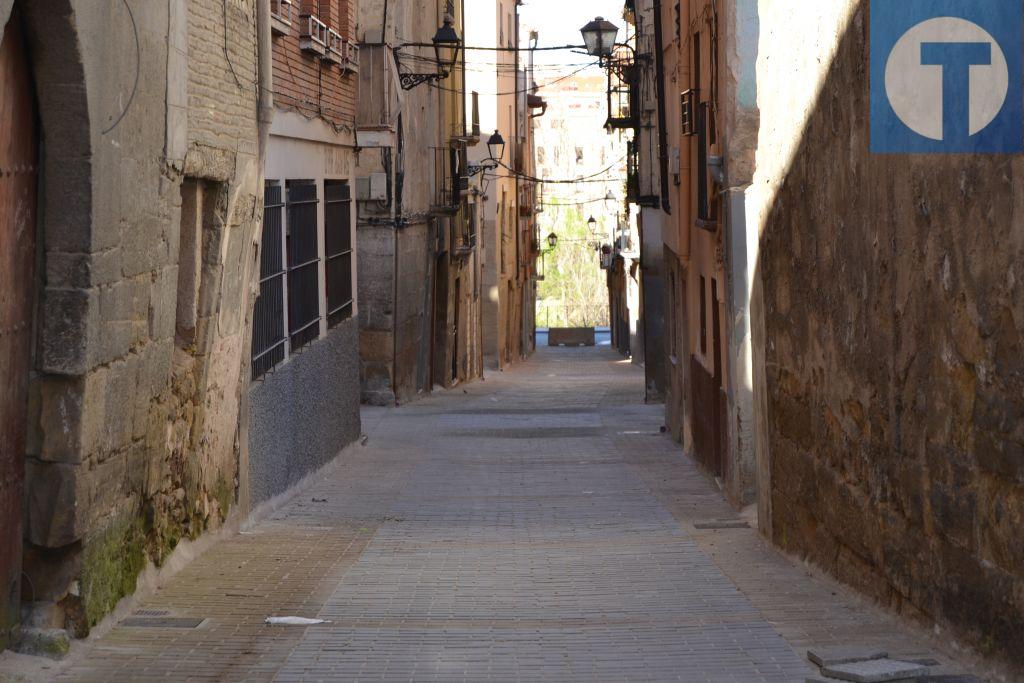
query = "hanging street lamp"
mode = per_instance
[
  {"x": 599, "y": 37},
  {"x": 496, "y": 148},
  {"x": 553, "y": 241},
  {"x": 495, "y": 153},
  {"x": 447, "y": 45}
]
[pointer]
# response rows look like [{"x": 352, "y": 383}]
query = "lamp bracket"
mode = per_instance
[{"x": 410, "y": 81}]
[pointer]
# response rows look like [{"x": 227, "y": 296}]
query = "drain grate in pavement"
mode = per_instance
[
  {"x": 722, "y": 524},
  {"x": 151, "y": 613},
  {"x": 162, "y": 622}
]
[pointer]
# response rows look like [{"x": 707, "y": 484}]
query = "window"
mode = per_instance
[
  {"x": 703, "y": 316},
  {"x": 302, "y": 246},
  {"x": 296, "y": 295},
  {"x": 338, "y": 244},
  {"x": 268, "y": 339},
  {"x": 688, "y": 108}
]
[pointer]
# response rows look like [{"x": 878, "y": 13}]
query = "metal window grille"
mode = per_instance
[
  {"x": 688, "y": 107},
  {"x": 338, "y": 245},
  {"x": 303, "y": 251},
  {"x": 268, "y": 339}
]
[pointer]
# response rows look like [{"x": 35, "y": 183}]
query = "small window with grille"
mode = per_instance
[
  {"x": 688, "y": 109},
  {"x": 338, "y": 250}
]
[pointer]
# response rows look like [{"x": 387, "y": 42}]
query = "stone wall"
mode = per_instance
[
  {"x": 133, "y": 420},
  {"x": 893, "y": 313}
]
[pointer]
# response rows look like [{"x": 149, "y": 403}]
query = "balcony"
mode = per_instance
[
  {"x": 313, "y": 35},
  {"x": 335, "y": 53},
  {"x": 351, "y": 51},
  {"x": 623, "y": 95},
  {"x": 468, "y": 131},
  {"x": 282, "y": 16},
  {"x": 448, "y": 181}
]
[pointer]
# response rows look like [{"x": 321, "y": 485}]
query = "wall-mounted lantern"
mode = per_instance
[
  {"x": 495, "y": 153},
  {"x": 599, "y": 37},
  {"x": 496, "y": 148},
  {"x": 447, "y": 45},
  {"x": 553, "y": 241}
]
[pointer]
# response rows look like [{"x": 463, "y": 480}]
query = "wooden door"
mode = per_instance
[{"x": 18, "y": 150}]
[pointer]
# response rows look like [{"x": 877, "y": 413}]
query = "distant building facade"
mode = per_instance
[{"x": 419, "y": 282}]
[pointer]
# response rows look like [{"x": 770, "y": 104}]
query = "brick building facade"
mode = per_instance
[{"x": 304, "y": 399}]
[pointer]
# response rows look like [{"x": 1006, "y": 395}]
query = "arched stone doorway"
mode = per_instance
[
  {"x": 19, "y": 145},
  {"x": 45, "y": 210}
]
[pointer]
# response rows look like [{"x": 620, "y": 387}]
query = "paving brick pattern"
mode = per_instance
[{"x": 533, "y": 527}]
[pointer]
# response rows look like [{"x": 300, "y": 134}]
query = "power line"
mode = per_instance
[{"x": 529, "y": 90}]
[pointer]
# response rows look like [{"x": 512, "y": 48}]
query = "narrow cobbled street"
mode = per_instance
[{"x": 533, "y": 527}]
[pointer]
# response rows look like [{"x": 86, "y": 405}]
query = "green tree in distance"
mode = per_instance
[{"x": 574, "y": 292}]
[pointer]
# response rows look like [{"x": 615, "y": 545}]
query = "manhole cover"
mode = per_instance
[
  {"x": 162, "y": 622},
  {"x": 737, "y": 524}
]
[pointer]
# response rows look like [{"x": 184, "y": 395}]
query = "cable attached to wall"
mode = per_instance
[{"x": 138, "y": 69}]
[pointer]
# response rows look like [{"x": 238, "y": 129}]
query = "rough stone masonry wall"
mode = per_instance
[
  {"x": 893, "y": 311},
  {"x": 133, "y": 440}
]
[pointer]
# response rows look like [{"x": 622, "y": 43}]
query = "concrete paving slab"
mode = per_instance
[
  {"x": 830, "y": 656},
  {"x": 875, "y": 671}
]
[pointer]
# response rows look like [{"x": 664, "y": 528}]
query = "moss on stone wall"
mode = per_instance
[{"x": 111, "y": 563}]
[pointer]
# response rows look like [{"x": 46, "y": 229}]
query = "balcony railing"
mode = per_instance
[
  {"x": 623, "y": 95},
  {"x": 313, "y": 35},
  {"x": 335, "y": 53},
  {"x": 282, "y": 15},
  {"x": 448, "y": 181}
]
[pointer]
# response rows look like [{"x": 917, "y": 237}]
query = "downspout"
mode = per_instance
[
  {"x": 659, "y": 61},
  {"x": 266, "y": 76},
  {"x": 264, "y": 118}
]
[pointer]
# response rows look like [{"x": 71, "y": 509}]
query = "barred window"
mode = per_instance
[
  {"x": 338, "y": 243},
  {"x": 302, "y": 245},
  {"x": 268, "y": 339}
]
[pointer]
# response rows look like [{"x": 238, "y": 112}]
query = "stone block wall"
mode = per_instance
[
  {"x": 134, "y": 418},
  {"x": 893, "y": 315}
]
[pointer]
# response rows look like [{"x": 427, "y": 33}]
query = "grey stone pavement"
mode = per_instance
[{"x": 532, "y": 527}]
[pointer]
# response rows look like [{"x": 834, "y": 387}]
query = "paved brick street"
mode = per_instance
[{"x": 536, "y": 527}]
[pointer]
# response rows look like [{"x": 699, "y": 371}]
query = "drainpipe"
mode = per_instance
[
  {"x": 264, "y": 117},
  {"x": 266, "y": 67},
  {"x": 659, "y": 61}
]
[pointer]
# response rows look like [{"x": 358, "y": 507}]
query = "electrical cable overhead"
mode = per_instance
[
  {"x": 529, "y": 90},
  {"x": 581, "y": 179}
]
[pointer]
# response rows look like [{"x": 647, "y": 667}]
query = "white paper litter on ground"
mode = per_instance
[{"x": 294, "y": 621}]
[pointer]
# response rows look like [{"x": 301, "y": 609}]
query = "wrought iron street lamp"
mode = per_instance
[
  {"x": 496, "y": 148},
  {"x": 495, "y": 152},
  {"x": 447, "y": 45},
  {"x": 599, "y": 37},
  {"x": 553, "y": 241}
]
